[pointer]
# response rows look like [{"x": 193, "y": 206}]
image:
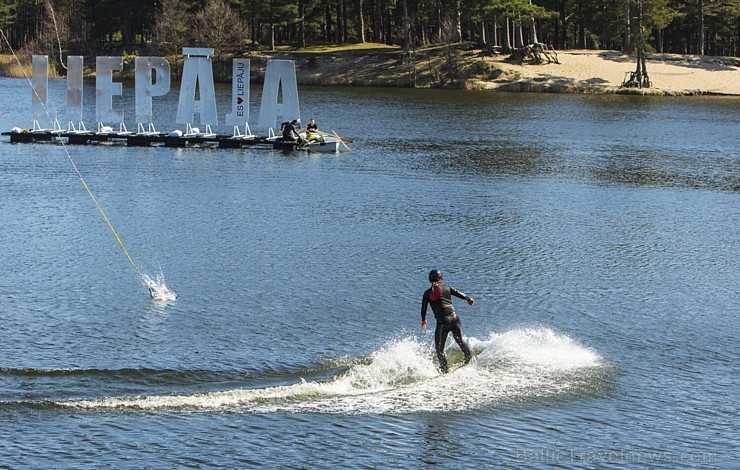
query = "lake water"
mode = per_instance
[{"x": 598, "y": 235}]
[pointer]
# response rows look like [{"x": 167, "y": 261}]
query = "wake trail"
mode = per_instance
[{"x": 401, "y": 377}]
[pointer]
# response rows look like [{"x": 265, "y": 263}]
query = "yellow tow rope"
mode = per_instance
[
  {"x": 107, "y": 221},
  {"x": 79, "y": 175}
]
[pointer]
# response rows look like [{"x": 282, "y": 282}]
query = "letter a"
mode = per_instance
[
  {"x": 197, "y": 72},
  {"x": 277, "y": 73}
]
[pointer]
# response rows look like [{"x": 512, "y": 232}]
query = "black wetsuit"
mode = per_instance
[
  {"x": 290, "y": 132},
  {"x": 440, "y": 298}
]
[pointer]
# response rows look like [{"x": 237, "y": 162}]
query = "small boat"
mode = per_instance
[{"x": 327, "y": 144}]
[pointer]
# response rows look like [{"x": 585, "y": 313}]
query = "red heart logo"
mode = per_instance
[{"x": 239, "y": 100}]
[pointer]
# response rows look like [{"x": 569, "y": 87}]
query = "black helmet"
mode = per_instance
[{"x": 435, "y": 275}]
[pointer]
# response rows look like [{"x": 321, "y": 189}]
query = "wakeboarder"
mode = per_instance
[{"x": 439, "y": 296}]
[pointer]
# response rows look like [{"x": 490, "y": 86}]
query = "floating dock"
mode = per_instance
[{"x": 150, "y": 139}]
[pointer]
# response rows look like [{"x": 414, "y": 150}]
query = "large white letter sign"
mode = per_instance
[
  {"x": 277, "y": 73},
  {"x": 39, "y": 90},
  {"x": 74, "y": 92},
  {"x": 239, "y": 93},
  {"x": 146, "y": 69},
  {"x": 197, "y": 72},
  {"x": 105, "y": 88}
]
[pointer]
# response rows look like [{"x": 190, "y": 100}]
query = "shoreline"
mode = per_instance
[{"x": 579, "y": 71}]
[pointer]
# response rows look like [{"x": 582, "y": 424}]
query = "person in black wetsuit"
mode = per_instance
[
  {"x": 290, "y": 131},
  {"x": 439, "y": 296}
]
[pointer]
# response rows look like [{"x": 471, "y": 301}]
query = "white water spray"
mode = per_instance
[
  {"x": 158, "y": 290},
  {"x": 401, "y": 377}
]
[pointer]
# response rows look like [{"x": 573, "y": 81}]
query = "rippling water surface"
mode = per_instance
[{"x": 598, "y": 235}]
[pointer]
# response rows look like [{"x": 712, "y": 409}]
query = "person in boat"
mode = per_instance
[
  {"x": 290, "y": 131},
  {"x": 312, "y": 131},
  {"x": 439, "y": 297}
]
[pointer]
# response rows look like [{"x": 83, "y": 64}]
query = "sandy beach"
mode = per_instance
[{"x": 604, "y": 71}]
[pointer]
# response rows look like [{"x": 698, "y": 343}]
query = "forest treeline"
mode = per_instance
[{"x": 89, "y": 27}]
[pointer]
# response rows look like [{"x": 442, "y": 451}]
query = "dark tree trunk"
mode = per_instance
[{"x": 360, "y": 22}]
